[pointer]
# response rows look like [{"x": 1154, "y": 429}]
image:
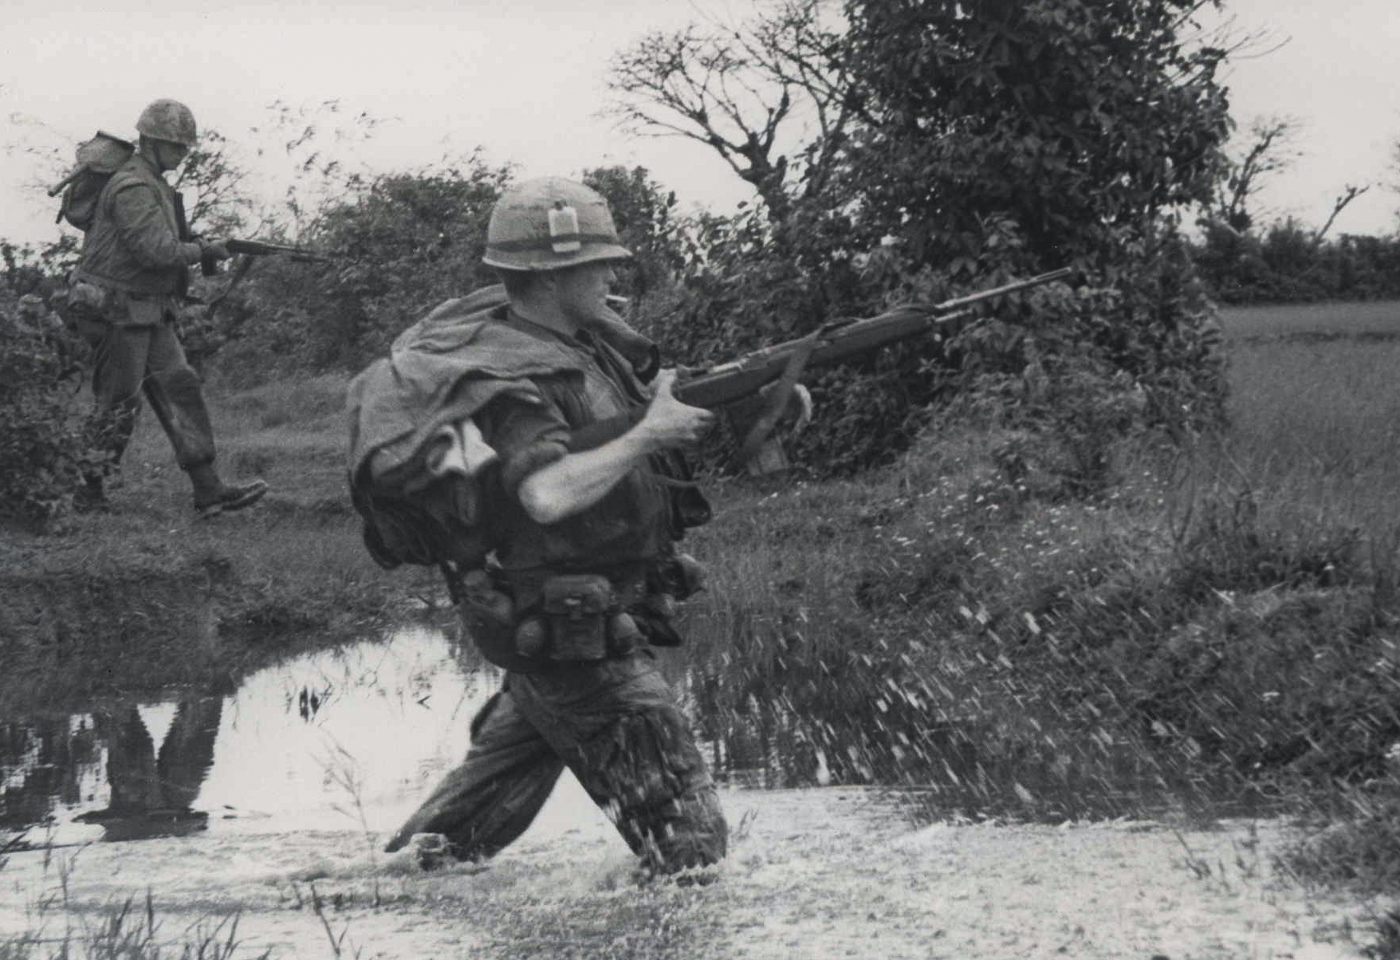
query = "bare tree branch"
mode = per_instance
[
  {"x": 1349, "y": 193},
  {"x": 1270, "y": 149},
  {"x": 741, "y": 91}
]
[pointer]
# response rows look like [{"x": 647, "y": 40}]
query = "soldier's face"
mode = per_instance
[
  {"x": 582, "y": 289},
  {"x": 169, "y": 154}
]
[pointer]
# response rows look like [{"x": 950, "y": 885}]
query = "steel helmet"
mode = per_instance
[
  {"x": 549, "y": 224},
  {"x": 168, "y": 120}
]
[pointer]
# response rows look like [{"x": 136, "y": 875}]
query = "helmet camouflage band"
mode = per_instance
[
  {"x": 168, "y": 120},
  {"x": 549, "y": 224}
]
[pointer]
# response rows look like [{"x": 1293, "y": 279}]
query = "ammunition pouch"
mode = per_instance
[
  {"x": 576, "y": 608},
  {"x": 84, "y": 303},
  {"x": 580, "y": 619},
  {"x": 529, "y": 621}
]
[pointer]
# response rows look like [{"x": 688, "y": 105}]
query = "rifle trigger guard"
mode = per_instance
[{"x": 781, "y": 395}]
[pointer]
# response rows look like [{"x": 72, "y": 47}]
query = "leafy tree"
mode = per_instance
[
  {"x": 1010, "y": 137},
  {"x": 402, "y": 243},
  {"x": 214, "y": 184},
  {"x": 976, "y": 141},
  {"x": 647, "y": 222}
]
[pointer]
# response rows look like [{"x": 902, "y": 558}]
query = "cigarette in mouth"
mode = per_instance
[{"x": 616, "y": 302}]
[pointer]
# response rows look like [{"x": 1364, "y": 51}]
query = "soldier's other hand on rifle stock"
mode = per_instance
[{"x": 214, "y": 250}]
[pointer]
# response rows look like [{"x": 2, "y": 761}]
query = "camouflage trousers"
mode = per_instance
[
  {"x": 130, "y": 361},
  {"x": 616, "y": 725}
]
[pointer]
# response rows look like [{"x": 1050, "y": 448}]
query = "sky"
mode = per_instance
[{"x": 525, "y": 82}]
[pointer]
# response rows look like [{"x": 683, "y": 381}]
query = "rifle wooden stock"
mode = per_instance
[{"x": 837, "y": 341}]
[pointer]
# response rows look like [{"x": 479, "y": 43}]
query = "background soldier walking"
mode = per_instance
[{"x": 125, "y": 296}]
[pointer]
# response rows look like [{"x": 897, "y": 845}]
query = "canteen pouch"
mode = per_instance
[
  {"x": 577, "y": 608},
  {"x": 83, "y": 303}
]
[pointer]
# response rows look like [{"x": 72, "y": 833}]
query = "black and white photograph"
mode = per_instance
[{"x": 700, "y": 480}]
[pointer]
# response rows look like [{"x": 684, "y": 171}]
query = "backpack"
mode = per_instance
[{"x": 98, "y": 159}]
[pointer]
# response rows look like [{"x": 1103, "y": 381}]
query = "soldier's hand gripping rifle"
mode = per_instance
[
  {"x": 783, "y": 363},
  {"x": 256, "y": 248}
]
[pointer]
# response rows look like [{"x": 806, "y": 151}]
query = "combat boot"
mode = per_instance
[{"x": 212, "y": 496}]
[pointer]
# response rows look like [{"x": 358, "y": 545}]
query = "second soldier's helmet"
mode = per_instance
[
  {"x": 549, "y": 224},
  {"x": 168, "y": 120}
]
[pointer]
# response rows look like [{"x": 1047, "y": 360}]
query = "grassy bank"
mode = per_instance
[{"x": 149, "y": 594}]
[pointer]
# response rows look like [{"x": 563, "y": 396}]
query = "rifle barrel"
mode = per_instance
[
  {"x": 1004, "y": 289},
  {"x": 838, "y": 341},
  {"x": 257, "y": 248}
]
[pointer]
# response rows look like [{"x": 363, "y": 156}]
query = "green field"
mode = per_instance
[{"x": 1315, "y": 408}]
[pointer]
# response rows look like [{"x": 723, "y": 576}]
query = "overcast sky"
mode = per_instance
[{"x": 524, "y": 80}]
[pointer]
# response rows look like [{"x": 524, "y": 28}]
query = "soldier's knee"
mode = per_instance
[
  {"x": 684, "y": 834},
  {"x": 180, "y": 382}
]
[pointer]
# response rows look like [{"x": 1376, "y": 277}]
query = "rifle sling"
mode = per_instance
[{"x": 782, "y": 393}]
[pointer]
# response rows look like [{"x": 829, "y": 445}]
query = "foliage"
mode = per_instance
[
  {"x": 1288, "y": 263},
  {"x": 42, "y": 452},
  {"x": 41, "y": 270},
  {"x": 402, "y": 243},
  {"x": 1030, "y": 135},
  {"x": 42, "y": 449},
  {"x": 647, "y": 223},
  {"x": 214, "y": 186},
  {"x": 976, "y": 142},
  {"x": 1360, "y": 850}
]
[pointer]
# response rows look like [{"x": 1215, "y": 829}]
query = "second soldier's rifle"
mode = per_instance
[
  {"x": 782, "y": 364},
  {"x": 250, "y": 249},
  {"x": 257, "y": 248}
]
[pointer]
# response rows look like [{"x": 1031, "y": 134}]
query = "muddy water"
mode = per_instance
[{"x": 348, "y": 738}]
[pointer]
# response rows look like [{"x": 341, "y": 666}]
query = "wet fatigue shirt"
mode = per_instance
[
  {"x": 133, "y": 270},
  {"x": 615, "y": 722}
]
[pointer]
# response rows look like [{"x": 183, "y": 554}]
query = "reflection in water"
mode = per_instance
[
  {"x": 366, "y": 727},
  {"x": 153, "y": 794},
  {"x": 352, "y": 738},
  {"x": 44, "y": 762}
]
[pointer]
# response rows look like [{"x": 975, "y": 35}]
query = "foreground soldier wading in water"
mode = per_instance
[
  {"x": 580, "y": 496},
  {"x": 124, "y": 300}
]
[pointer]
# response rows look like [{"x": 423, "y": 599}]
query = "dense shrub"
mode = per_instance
[
  {"x": 1287, "y": 263},
  {"x": 42, "y": 451},
  {"x": 401, "y": 243}
]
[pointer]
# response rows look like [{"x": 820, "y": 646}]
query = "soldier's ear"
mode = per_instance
[{"x": 547, "y": 281}]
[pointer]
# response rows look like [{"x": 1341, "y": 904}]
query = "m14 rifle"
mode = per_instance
[
  {"x": 249, "y": 249},
  {"x": 257, "y": 248},
  {"x": 782, "y": 364}
]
